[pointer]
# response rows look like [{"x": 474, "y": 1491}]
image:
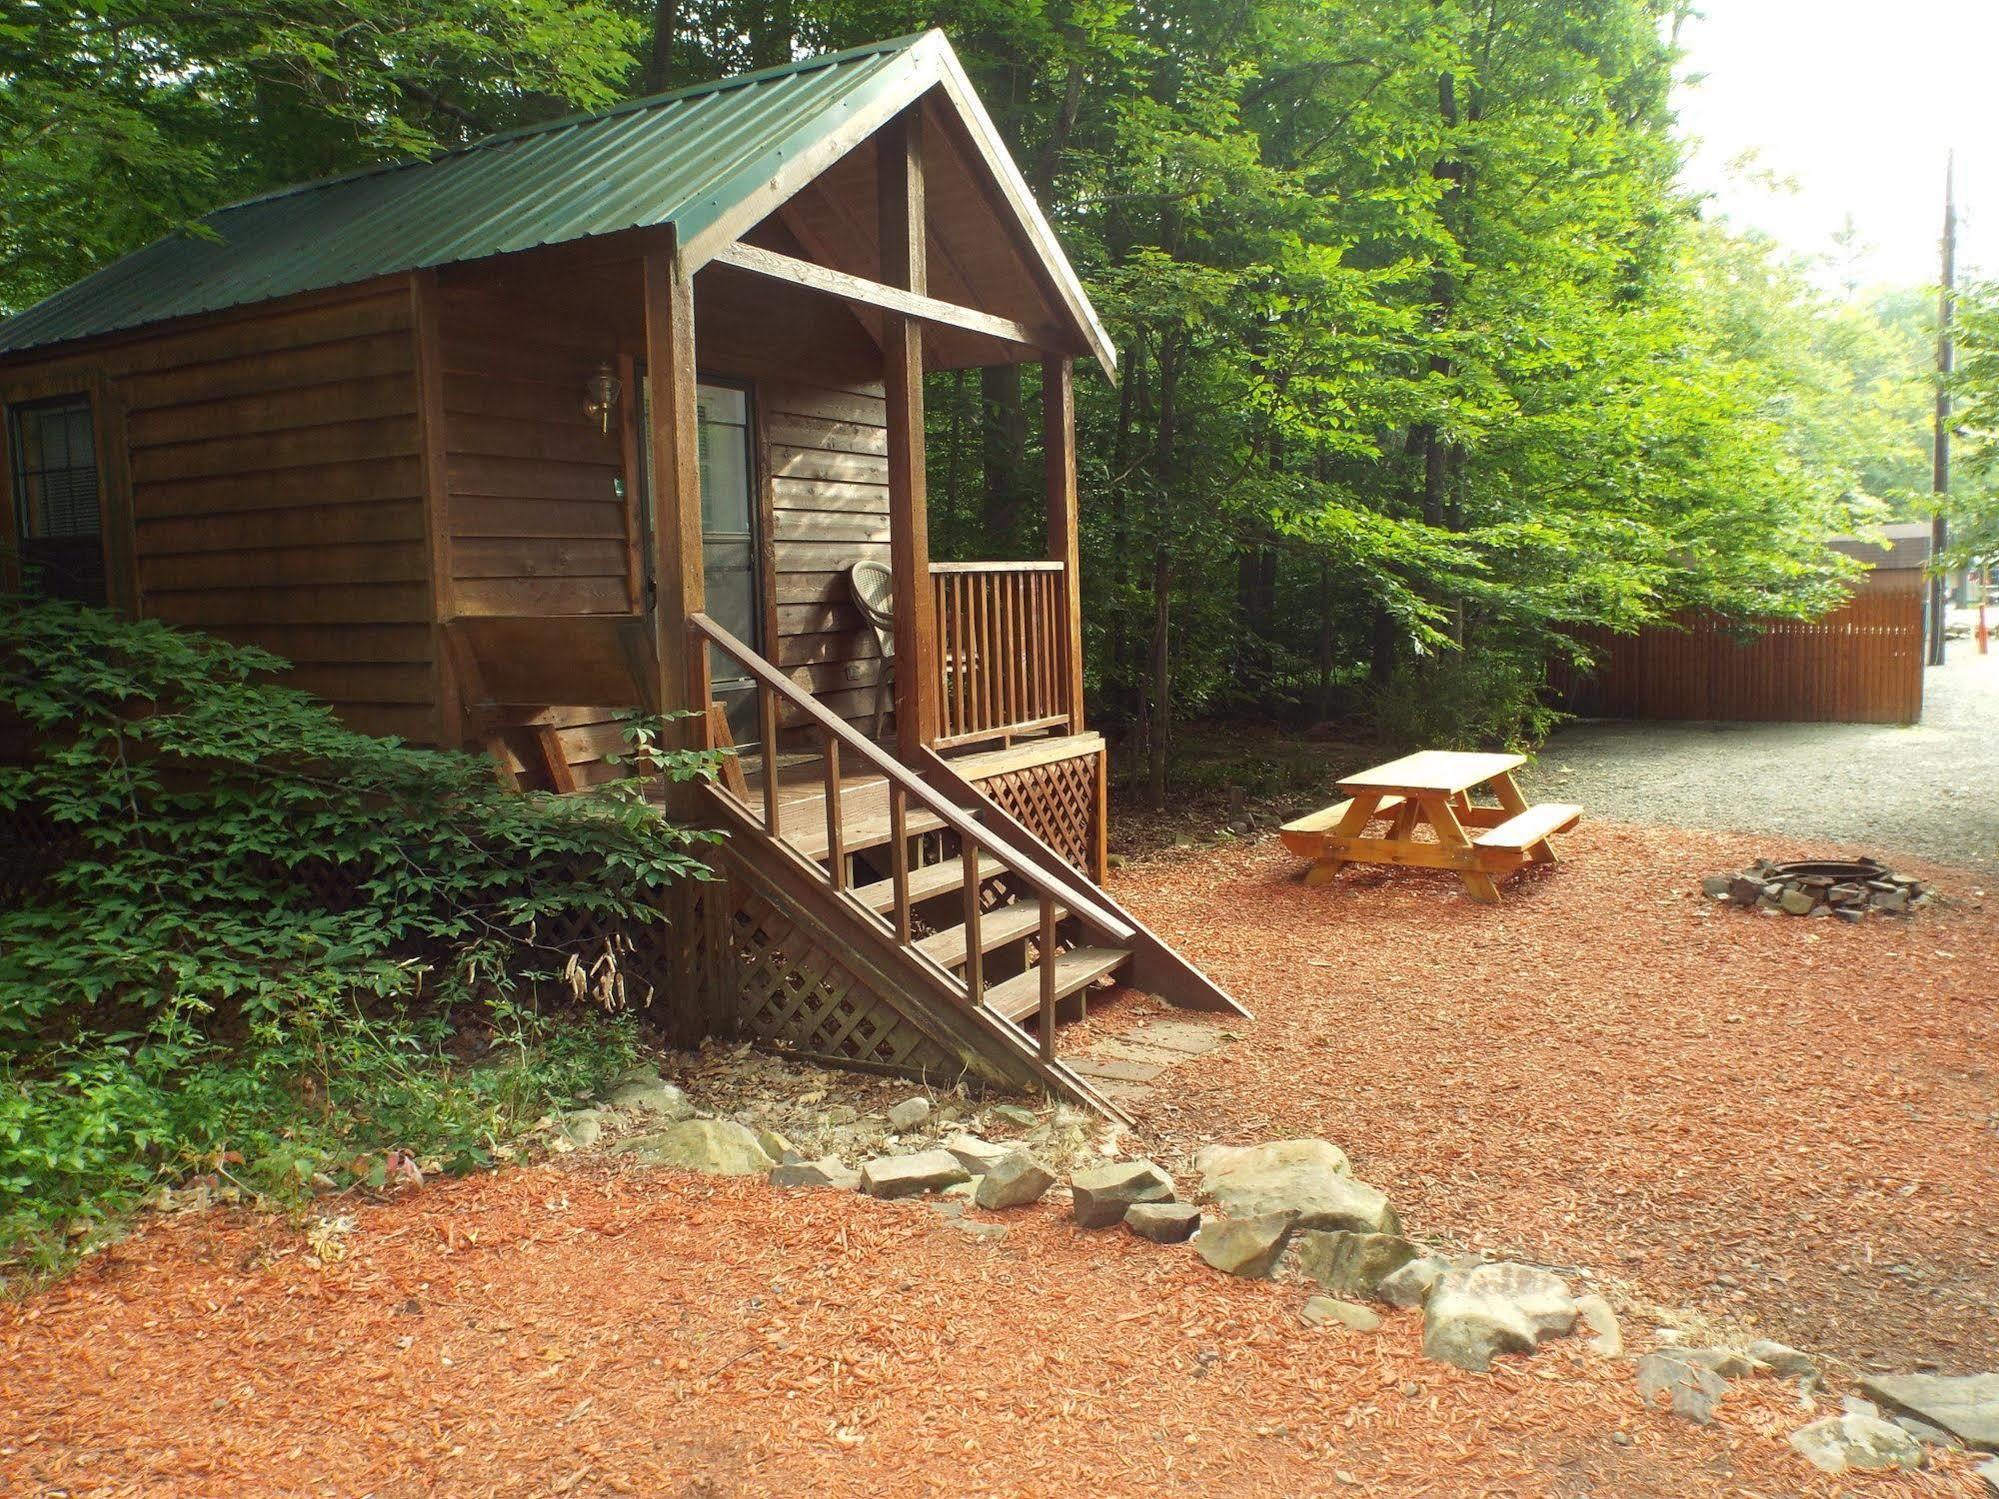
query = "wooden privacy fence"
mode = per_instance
[
  {"x": 1862, "y": 663},
  {"x": 1002, "y": 655}
]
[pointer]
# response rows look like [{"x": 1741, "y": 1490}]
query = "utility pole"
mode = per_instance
[{"x": 1946, "y": 363}]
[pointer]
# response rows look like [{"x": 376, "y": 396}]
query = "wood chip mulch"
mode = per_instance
[
  {"x": 580, "y": 1331},
  {"x": 1788, "y": 1126},
  {"x": 1780, "y": 1122}
]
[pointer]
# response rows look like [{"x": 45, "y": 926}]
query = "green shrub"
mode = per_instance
[
  {"x": 1466, "y": 700},
  {"x": 267, "y": 944}
]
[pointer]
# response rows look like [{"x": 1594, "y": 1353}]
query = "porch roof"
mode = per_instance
[{"x": 711, "y": 160}]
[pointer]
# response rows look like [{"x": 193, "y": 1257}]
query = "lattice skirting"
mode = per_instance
[
  {"x": 1061, "y": 801},
  {"x": 795, "y": 993}
]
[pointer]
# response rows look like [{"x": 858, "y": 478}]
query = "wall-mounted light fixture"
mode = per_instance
[{"x": 600, "y": 396}]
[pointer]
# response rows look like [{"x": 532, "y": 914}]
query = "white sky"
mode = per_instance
[{"x": 1856, "y": 102}]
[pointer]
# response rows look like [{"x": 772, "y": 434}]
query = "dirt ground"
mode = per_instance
[
  {"x": 1791, "y": 1125},
  {"x": 577, "y": 1331}
]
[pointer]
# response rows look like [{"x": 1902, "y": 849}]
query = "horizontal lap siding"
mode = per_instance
[
  {"x": 277, "y": 496},
  {"x": 827, "y": 461},
  {"x": 536, "y": 521}
]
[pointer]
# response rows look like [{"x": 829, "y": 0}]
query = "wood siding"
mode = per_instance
[
  {"x": 826, "y": 458},
  {"x": 271, "y": 462},
  {"x": 535, "y": 518},
  {"x": 1862, "y": 663}
]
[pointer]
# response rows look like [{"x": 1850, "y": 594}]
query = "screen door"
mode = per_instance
[{"x": 729, "y": 538}]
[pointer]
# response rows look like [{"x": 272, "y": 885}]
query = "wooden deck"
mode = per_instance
[{"x": 801, "y": 796}]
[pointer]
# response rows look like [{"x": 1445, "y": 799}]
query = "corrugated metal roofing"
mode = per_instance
[{"x": 686, "y": 158}]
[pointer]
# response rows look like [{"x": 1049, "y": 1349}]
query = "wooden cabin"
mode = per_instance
[{"x": 626, "y": 412}]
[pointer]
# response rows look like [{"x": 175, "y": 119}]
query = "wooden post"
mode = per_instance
[
  {"x": 1946, "y": 367},
  {"x": 1058, "y": 438},
  {"x": 899, "y": 165},
  {"x": 676, "y": 497}
]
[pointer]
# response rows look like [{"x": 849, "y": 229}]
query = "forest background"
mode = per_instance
[{"x": 1427, "y": 356}]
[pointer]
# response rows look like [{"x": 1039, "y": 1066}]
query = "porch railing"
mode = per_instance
[{"x": 1002, "y": 653}]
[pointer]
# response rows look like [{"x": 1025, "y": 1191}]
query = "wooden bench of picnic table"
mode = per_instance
[{"x": 1534, "y": 826}]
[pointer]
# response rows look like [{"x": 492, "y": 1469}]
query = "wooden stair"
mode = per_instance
[
  {"x": 1075, "y": 970},
  {"x": 928, "y": 881},
  {"x": 963, "y": 919}
]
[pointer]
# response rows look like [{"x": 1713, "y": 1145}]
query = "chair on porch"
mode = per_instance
[{"x": 873, "y": 588}]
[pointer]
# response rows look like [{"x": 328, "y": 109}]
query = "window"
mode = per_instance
[{"x": 56, "y": 498}]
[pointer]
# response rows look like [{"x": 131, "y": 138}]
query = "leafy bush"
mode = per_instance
[
  {"x": 266, "y": 942},
  {"x": 1466, "y": 700}
]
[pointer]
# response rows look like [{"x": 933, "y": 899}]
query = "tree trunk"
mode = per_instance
[
  {"x": 1325, "y": 640},
  {"x": 1164, "y": 456},
  {"x": 659, "y": 53},
  {"x": 1118, "y": 682},
  {"x": 1003, "y": 450},
  {"x": 1384, "y": 641}
]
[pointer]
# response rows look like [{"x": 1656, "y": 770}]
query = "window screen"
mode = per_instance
[{"x": 56, "y": 498}]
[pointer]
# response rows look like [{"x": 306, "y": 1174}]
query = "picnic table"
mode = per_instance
[{"x": 1433, "y": 789}]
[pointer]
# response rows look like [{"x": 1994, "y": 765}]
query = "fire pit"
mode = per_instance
[{"x": 1849, "y": 889}]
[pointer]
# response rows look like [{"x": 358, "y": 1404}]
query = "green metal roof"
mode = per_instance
[{"x": 693, "y": 158}]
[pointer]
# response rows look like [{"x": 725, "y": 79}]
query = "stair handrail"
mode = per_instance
[{"x": 971, "y": 833}]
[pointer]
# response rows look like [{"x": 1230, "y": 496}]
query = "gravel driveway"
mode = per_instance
[{"x": 1930, "y": 790}]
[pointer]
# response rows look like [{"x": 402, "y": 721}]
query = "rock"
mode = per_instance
[
  {"x": 1473, "y": 1315},
  {"x": 1717, "y": 886},
  {"x": 652, "y": 1096},
  {"x": 976, "y": 1155},
  {"x": 1163, "y": 1222},
  {"x": 909, "y": 1175},
  {"x": 1244, "y": 1246},
  {"x": 582, "y": 1128},
  {"x": 828, "y": 1171},
  {"x": 776, "y": 1146},
  {"x": 1600, "y": 1319},
  {"x": 967, "y": 1189},
  {"x": 1965, "y": 1405},
  {"x": 1347, "y": 1263},
  {"x": 1928, "y": 1435},
  {"x": 1796, "y": 903},
  {"x": 1321, "y": 1310},
  {"x": 909, "y": 1113},
  {"x": 1989, "y": 1472},
  {"x": 720, "y": 1147},
  {"x": 1695, "y": 1390},
  {"x": 1014, "y": 1114},
  {"x": 1783, "y": 1360},
  {"x": 1745, "y": 890},
  {"x": 1726, "y": 1362},
  {"x": 1837, "y": 1443},
  {"x": 1410, "y": 1285},
  {"x": 1308, "y": 1179},
  {"x": 1104, "y": 1192},
  {"x": 1014, "y": 1181}
]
